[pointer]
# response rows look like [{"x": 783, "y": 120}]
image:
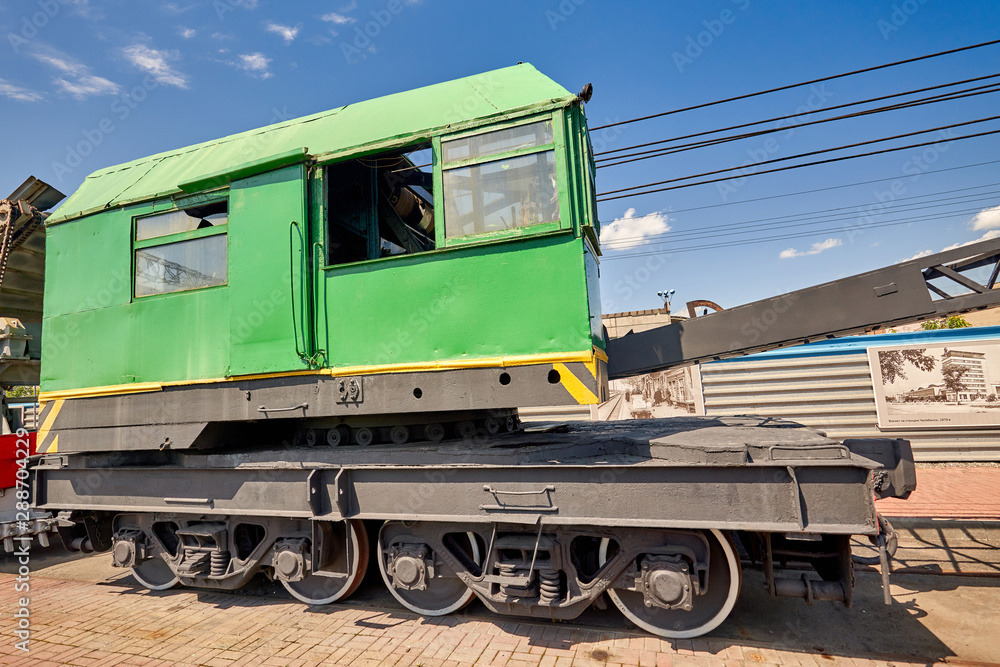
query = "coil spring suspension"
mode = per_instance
[
  {"x": 220, "y": 562},
  {"x": 549, "y": 586}
]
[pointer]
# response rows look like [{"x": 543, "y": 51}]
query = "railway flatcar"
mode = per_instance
[{"x": 301, "y": 349}]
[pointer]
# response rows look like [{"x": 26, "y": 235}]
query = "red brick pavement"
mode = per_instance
[
  {"x": 112, "y": 623},
  {"x": 950, "y": 493}
]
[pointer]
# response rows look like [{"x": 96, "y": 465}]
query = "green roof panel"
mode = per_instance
[{"x": 453, "y": 103}]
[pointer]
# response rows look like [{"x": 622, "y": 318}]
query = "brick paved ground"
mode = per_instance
[
  {"x": 950, "y": 493},
  {"x": 113, "y": 623}
]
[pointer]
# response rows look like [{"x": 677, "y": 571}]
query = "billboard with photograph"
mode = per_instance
[
  {"x": 672, "y": 393},
  {"x": 937, "y": 386}
]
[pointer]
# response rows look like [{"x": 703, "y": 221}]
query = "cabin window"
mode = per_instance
[
  {"x": 380, "y": 205},
  {"x": 181, "y": 250},
  {"x": 500, "y": 180}
]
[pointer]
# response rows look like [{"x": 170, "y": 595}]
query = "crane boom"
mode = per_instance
[{"x": 931, "y": 286}]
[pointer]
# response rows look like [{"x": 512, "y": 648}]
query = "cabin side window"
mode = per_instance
[
  {"x": 380, "y": 205},
  {"x": 181, "y": 250},
  {"x": 500, "y": 180}
]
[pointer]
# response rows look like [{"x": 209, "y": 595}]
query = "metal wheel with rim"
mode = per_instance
[
  {"x": 316, "y": 590},
  {"x": 155, "y": 574},
  {"x": 442, "y": 595},
  {"x": 338, "y": 435},
  {"x": 709, "y": 610}
]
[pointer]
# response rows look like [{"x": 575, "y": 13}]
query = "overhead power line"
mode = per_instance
[
  {"x": 679, "y": 236},
  {"x": 800, "y": 84},
  {"x": 768, "y": 239},
  {"x": 828, "y": 188},
  {"x": 817, "y": 217},
  {"x": 802, "y": 155},
  {"x": 604, "y": 196},
  {"x": 800, "y": 114},
  {"x": 615, "y": 160}
]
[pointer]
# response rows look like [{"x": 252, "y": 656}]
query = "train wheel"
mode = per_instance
[
  {"x": 399, "y": 434},
  {"x": 402, "y": 557},
  {"x": 339, "y": 435},
  {"x": 155, "y": 574},
  {"x": 315, "y": 589},
  {"x": 364, "y": 436},
  {"x": 466, "y": 430},
  {"x": 434, "y": 432},
  {"x": 708, "y": 610}
]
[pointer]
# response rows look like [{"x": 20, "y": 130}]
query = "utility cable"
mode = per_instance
[
  {"x": 832, "y": 187},
  {"x": 798, "y": 85},
  {"x": 797, "y": 115},
  {"x": 670, "y": 150},
  {"x": 802, "y": 155},
  {"x": 603, "y": 196},
  {"x": 760, "y": 224},
  {"x": 729, "y": 244}
]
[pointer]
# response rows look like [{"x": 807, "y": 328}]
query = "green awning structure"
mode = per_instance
[{"x": 386, "y": 119}]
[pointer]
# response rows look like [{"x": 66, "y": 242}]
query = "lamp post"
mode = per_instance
[{"x": 665, "y": 295}]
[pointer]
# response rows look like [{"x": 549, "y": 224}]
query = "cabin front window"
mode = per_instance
[
  {"x": 380, "y": 205},
  {"x": 500, "y": 180},
  {"x": 181, "y": 250}
]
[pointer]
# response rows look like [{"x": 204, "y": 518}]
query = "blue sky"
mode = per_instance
[{"x": 88, "y": 84}]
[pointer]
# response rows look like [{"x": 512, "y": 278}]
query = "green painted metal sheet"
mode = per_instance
[
  {"x": 166, "y": 338},
  {"x": 261, "y": 209},
  {"x": 515, "y": 298},
  {"x": 414, "y": 112}
]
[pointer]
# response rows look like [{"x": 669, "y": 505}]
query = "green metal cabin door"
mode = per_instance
[{"x": 266, "y": 269}]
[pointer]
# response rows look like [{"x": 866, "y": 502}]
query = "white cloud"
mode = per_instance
[
  {"x": 988, "y": 218},
  {"x": 174, "y": 8},
  {"x": 186, "y": 33},
  {"x": 922, "y": 253},
  {"x": 17, "y": 93},
  {"x": 349, "y": 7},
  {"x": 991, "y": 234},
  {"x": 286, "y": 33},
  {"x": 83, "y": 8},
  {"x": 337, "y": 19},
  {"x": 630, "y": 231},
  {"x": 59, "y": 61},
  {"x": 85, "y": 86},
  {"x": 76, "y": 78},
  {"x": 154, "y": 62},
  {"x": 816, "y": 249},
  {"x": 245, "y": 4},
  {"x": 255, "y": 64}
]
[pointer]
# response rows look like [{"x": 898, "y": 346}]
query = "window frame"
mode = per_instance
[
  {"x": 178, "y": 237},
  {"x": 319, "y": 198},
  {"x": 557, "y": 146}
]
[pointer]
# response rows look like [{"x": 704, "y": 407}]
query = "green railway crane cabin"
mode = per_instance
[{"x": 415, "y": 255}]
